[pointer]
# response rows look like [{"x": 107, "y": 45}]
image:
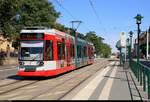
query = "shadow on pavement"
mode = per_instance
[
  {"x": 122, "y": 79},
  {"x": 16, "y": 77},
  {"x": 113, "y": 60}
]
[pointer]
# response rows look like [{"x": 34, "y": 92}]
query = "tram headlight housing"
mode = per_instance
[
  {"x": 21, "y": 63},
  {"x": 41, "y": 63}
]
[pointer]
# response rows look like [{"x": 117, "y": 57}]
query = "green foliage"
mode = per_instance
[
  {"x": 30, "y": 12},
  {"x": 16, "y": 14},
  {"x": 38, "y": 13},
  {"x": 61, "y": 27},
  {"x": 100, "y": 48},
  {"x": 143, "y": 48},
  {"x": 106, "y": 50},
  {"x": 8, "y": 10}
]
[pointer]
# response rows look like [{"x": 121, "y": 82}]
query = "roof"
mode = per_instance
[{"x": 48, "y": 30}]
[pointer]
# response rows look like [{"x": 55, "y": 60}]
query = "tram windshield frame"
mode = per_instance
[{"x": 31, "y": 50}]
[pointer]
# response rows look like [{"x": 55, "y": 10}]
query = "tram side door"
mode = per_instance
[{"x": 68, "y": 54}]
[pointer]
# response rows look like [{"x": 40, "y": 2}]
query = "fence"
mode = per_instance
[{"x": 142, "y": 73}]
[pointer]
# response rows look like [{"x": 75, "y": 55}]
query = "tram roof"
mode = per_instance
[
  {"x": 47, "y": 31},
  {"x": 37, "y": 31}
]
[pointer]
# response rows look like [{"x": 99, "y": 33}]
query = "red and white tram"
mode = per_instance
[{"x": 49, "y": 52}]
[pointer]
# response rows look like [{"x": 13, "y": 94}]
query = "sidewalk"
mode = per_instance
[
  {"x": 127, "y": 87},
  {"x": 9, "y": 61},
  {"x": 112, "y": 83}
]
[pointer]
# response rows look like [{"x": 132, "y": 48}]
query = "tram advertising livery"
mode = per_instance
[{"x": 49, "y": 52}]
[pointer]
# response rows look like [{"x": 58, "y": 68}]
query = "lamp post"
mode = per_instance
[
  {"x": 130, "y": 47},
  {"x": 138, "y": 22},
  {"x": 147, "y": 50},
  {"x": 127, "y": 45}
]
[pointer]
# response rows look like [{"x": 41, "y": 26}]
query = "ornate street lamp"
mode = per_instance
[
  {"x": 130, "y": 47},
  {"x": 138, "y": 22},
  {"x": 130, "y": 35}
]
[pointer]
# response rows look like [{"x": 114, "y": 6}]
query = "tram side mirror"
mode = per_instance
[{"x": 41, "y": 63}]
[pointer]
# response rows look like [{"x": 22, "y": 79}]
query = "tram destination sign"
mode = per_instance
[{"x": 32, "y": 36}]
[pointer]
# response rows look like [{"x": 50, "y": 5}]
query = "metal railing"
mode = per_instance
[{"x": 142, "y": 73}]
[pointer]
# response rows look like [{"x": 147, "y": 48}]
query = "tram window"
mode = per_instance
[
  {"x": 79, "y": 51},
  {"x": 61, "y": 50},
  {"x": 72, "y": 50},
  {"x": 85, "y": 51},
  {"x": 89, "y": 52},
  {"x": 49, "y": 50}
]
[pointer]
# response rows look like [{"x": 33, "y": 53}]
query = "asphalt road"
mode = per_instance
[{"x": 7, "y": 71}]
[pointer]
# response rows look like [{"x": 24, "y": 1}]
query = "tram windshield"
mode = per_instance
[{"x": 31, "y": 50}]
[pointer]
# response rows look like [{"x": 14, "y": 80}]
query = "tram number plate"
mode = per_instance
[{"x": 30, "y": 69}]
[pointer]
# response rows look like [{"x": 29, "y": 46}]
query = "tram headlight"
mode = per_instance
[
  {"x": 21, "y": 63},
  {"x": 41, "y": 63}
]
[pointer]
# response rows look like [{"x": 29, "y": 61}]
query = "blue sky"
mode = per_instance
[{"x": 114, "y": 16}]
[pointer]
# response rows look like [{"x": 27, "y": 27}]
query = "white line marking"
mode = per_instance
[
  {"x": 8, "y": 69},
  {"x": 107, "y": 88},
  {"x": 87, "y": 91}
]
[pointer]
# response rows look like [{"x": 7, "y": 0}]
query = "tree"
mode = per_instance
[
  {"x": 38, "y": 13},
  {"x": 8, "y": 12},
  {"x": 101, "y": 48},
  {"x": 106, "y": 50},
  {"x": 30, "y": 12},
  {"x": 91, "y": 37}
]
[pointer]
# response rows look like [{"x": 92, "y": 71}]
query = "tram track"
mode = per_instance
[
  {"x": 81, "y": 83},
  {"x": 9, "y": 83},
  {"x": 75, "y": 77},
  {"x": 1, "y": 70},
  {"x": 15, "y": 81},
  {"x": 7, "y": 68},
  {"x": 45, "y": 91},
  {"x": 18, "y": 87}
]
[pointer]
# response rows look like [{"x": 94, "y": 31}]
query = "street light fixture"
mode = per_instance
[
  {"x": 130, "y": 35},
  {"x": 138, "y": 22},
  {"x": 130, "y": 47}
]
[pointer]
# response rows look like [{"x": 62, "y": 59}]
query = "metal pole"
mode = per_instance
[
  {"x": 148, "y": 84},
  {"x": 147, "y": 45},
  {"x": 130, "y": 54},
  {"x": 130, "y": 47},
  {"x": 120, "y": 57},
  {"x": 138, "y": 52},
  {"x": 76, "y": 56},
  {"x": 125, "y": 59},
  {"x": 138, "y": 46}
]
